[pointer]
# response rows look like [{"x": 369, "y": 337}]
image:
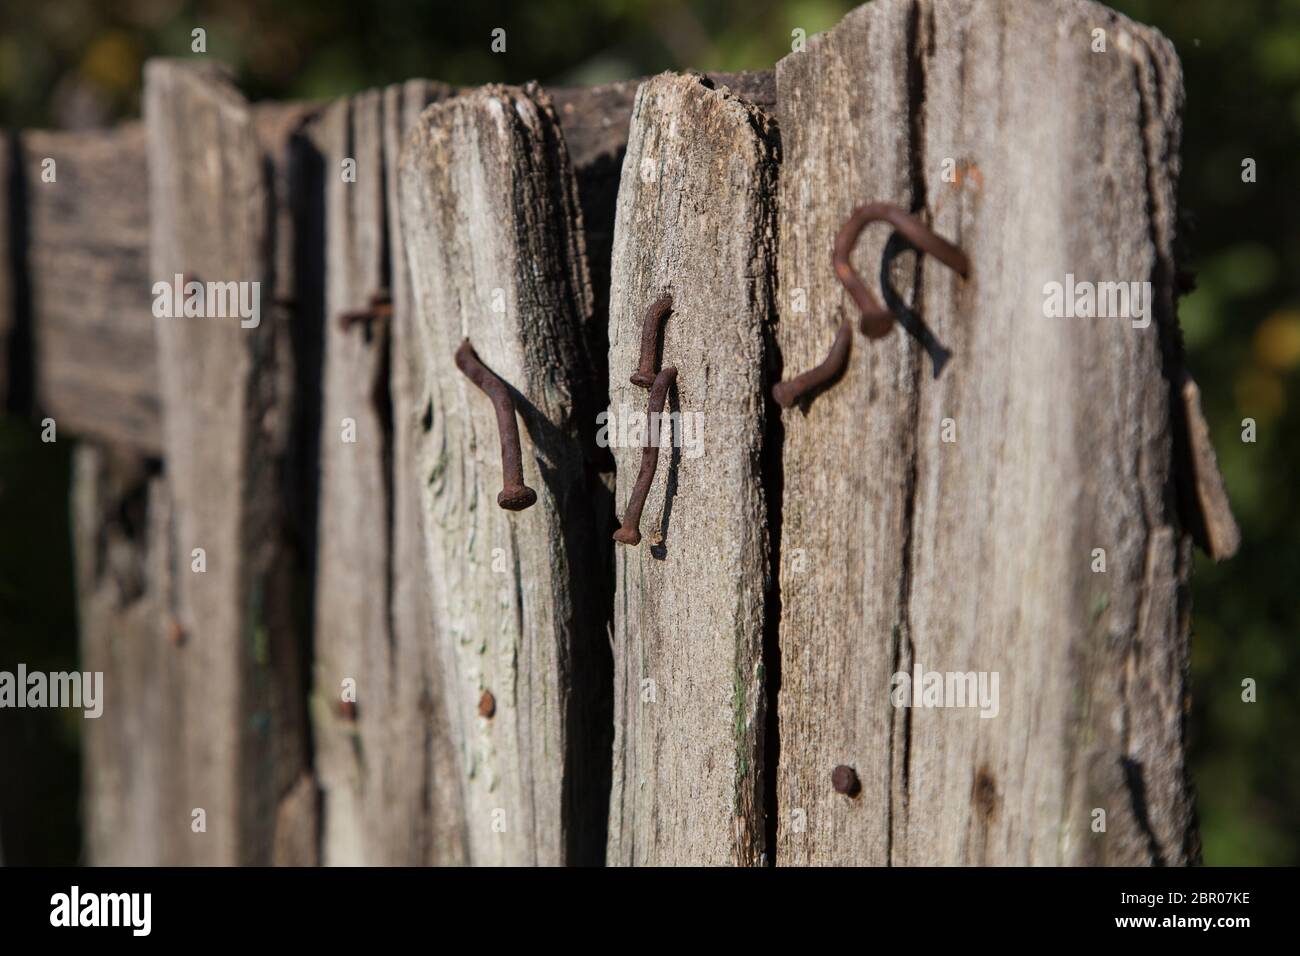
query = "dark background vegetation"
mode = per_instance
[{"x": 77, "y": 63}]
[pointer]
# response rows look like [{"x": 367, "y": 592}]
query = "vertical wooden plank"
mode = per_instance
[
  {"x": 696, "y": 216},
  {"x": 843, "y": 107},
  {"x": 1098, "y": 722},
  {"x": 385, "y": 764},
  {"x": 122, "y": 535},
  {"x": 975, "y": 555},
  {"x": 353, "y": 556},
  {"x": 594, "y": 120},
  {"x": 430, "y": 787},
  {"x": 239, "y": 736},
  {"x": 493, "y": 239}
]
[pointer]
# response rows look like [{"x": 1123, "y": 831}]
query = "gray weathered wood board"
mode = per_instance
[
  {"x": 238, "y": 747},
  {"x": 595, "y": 121},
  {"x": 689, "y": 690},
  {"x": 386, "y": 767},
  {"x": 493, "y": 241},
  {"x": 422, "y": 709},
  {"x": 901, "y": 550},
  {"x": 353, "y": 556},
  {"x": 122, "y": 544},
  {"x": 87, "y": 259}
]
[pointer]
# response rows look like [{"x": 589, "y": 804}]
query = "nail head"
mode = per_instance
[{"x": 845, "y": 780}]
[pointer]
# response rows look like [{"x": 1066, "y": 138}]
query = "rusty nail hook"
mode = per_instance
[
  {"x": 644, "y": 376},
  {"x": 515, "y": 495},
  {"x": 630, "y": 531},
  {"x": 787, "y": 393},
  {"x": 876, "y": 319},
  {"x": 380, "y": 307}
]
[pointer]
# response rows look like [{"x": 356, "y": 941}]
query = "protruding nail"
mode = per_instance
[
  {"x": 876, "y": 319},
  {"x": 787, "y": 393},
  {"x": 487, "y": 705},
  {"x": 380, "y": 307},
  {"x": 515, "y": 495},
  {"x": 347, "y": 709},
  {"x": 845, "y": 780},
  {"x": 630, "y": 532},
  {"x": 644, "y": 376}
]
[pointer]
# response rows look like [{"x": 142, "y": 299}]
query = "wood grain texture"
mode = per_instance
[
  {"x": 423, "y": 711},
  {"x": 696, "y": 216},
  {"x": 353, "y": 558},
  {"x": 386, "y": 767},
  {"x": 240, "y": 733},
  {"x": 902, "y": 550},
  {"x": 87, "y": 260},
  {"x": 122, "y": 543},
  {"x": 595, "y": 121},
  {"x": 492, "y": 235}
]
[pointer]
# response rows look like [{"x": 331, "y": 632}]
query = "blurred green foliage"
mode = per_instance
[
  {"x": 77, "y": 62},
  {"x": 1241, "y": 65},
  {"x": 39, "y": 772}
]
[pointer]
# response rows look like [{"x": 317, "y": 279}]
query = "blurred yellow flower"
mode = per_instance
[{"x": 112, "y": 62}]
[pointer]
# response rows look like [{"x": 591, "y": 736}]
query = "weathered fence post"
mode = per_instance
[
  {"x": 956, "y": 518},
  {"x": 696, "y": 217},
  {"x": 442, "y": 814},
  {"x": 123, "y": 548},
  {"x": 383, "y": 755},
  {"x": 493, "y": 239},
  {"x": 237, "y": 741}
]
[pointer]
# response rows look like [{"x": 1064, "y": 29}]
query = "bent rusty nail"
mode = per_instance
[
  {"x": 515, "y": 495},
  {"x": 630, "y": 531},
  {"x": 787, "y": 393},
  {"x": 876, "y": 319},
  {"x": 644, "y": 376}
]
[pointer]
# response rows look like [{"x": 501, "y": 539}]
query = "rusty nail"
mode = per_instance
[
  {"x": 630, "y": 531},
  {"x": 515, "y": 495},
  {"x": 644, "y": 376},
  {"x": 347, "y": 709},
  {"x": 175, "y": 633},
  {"x": 487, "y": 704},
  {"x": 380, "y": 307},
  {"x": 787, "y": 393},
  {"x": 845, "y": 780},
  {"x": 876, "y": 319}
]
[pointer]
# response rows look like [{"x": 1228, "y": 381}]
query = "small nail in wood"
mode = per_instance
[
  {"x": 787, "y": 393},
  {"x": 644, "y": 376},
  {"x": 876, "y": 319},
  {"x": 380, "y": 307},
  {"x": 515, "y": 495},
  {"x": 630, "y": 532}
]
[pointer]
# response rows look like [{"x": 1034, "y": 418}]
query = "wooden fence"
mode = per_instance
[{"x": 322, "y": 640}]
